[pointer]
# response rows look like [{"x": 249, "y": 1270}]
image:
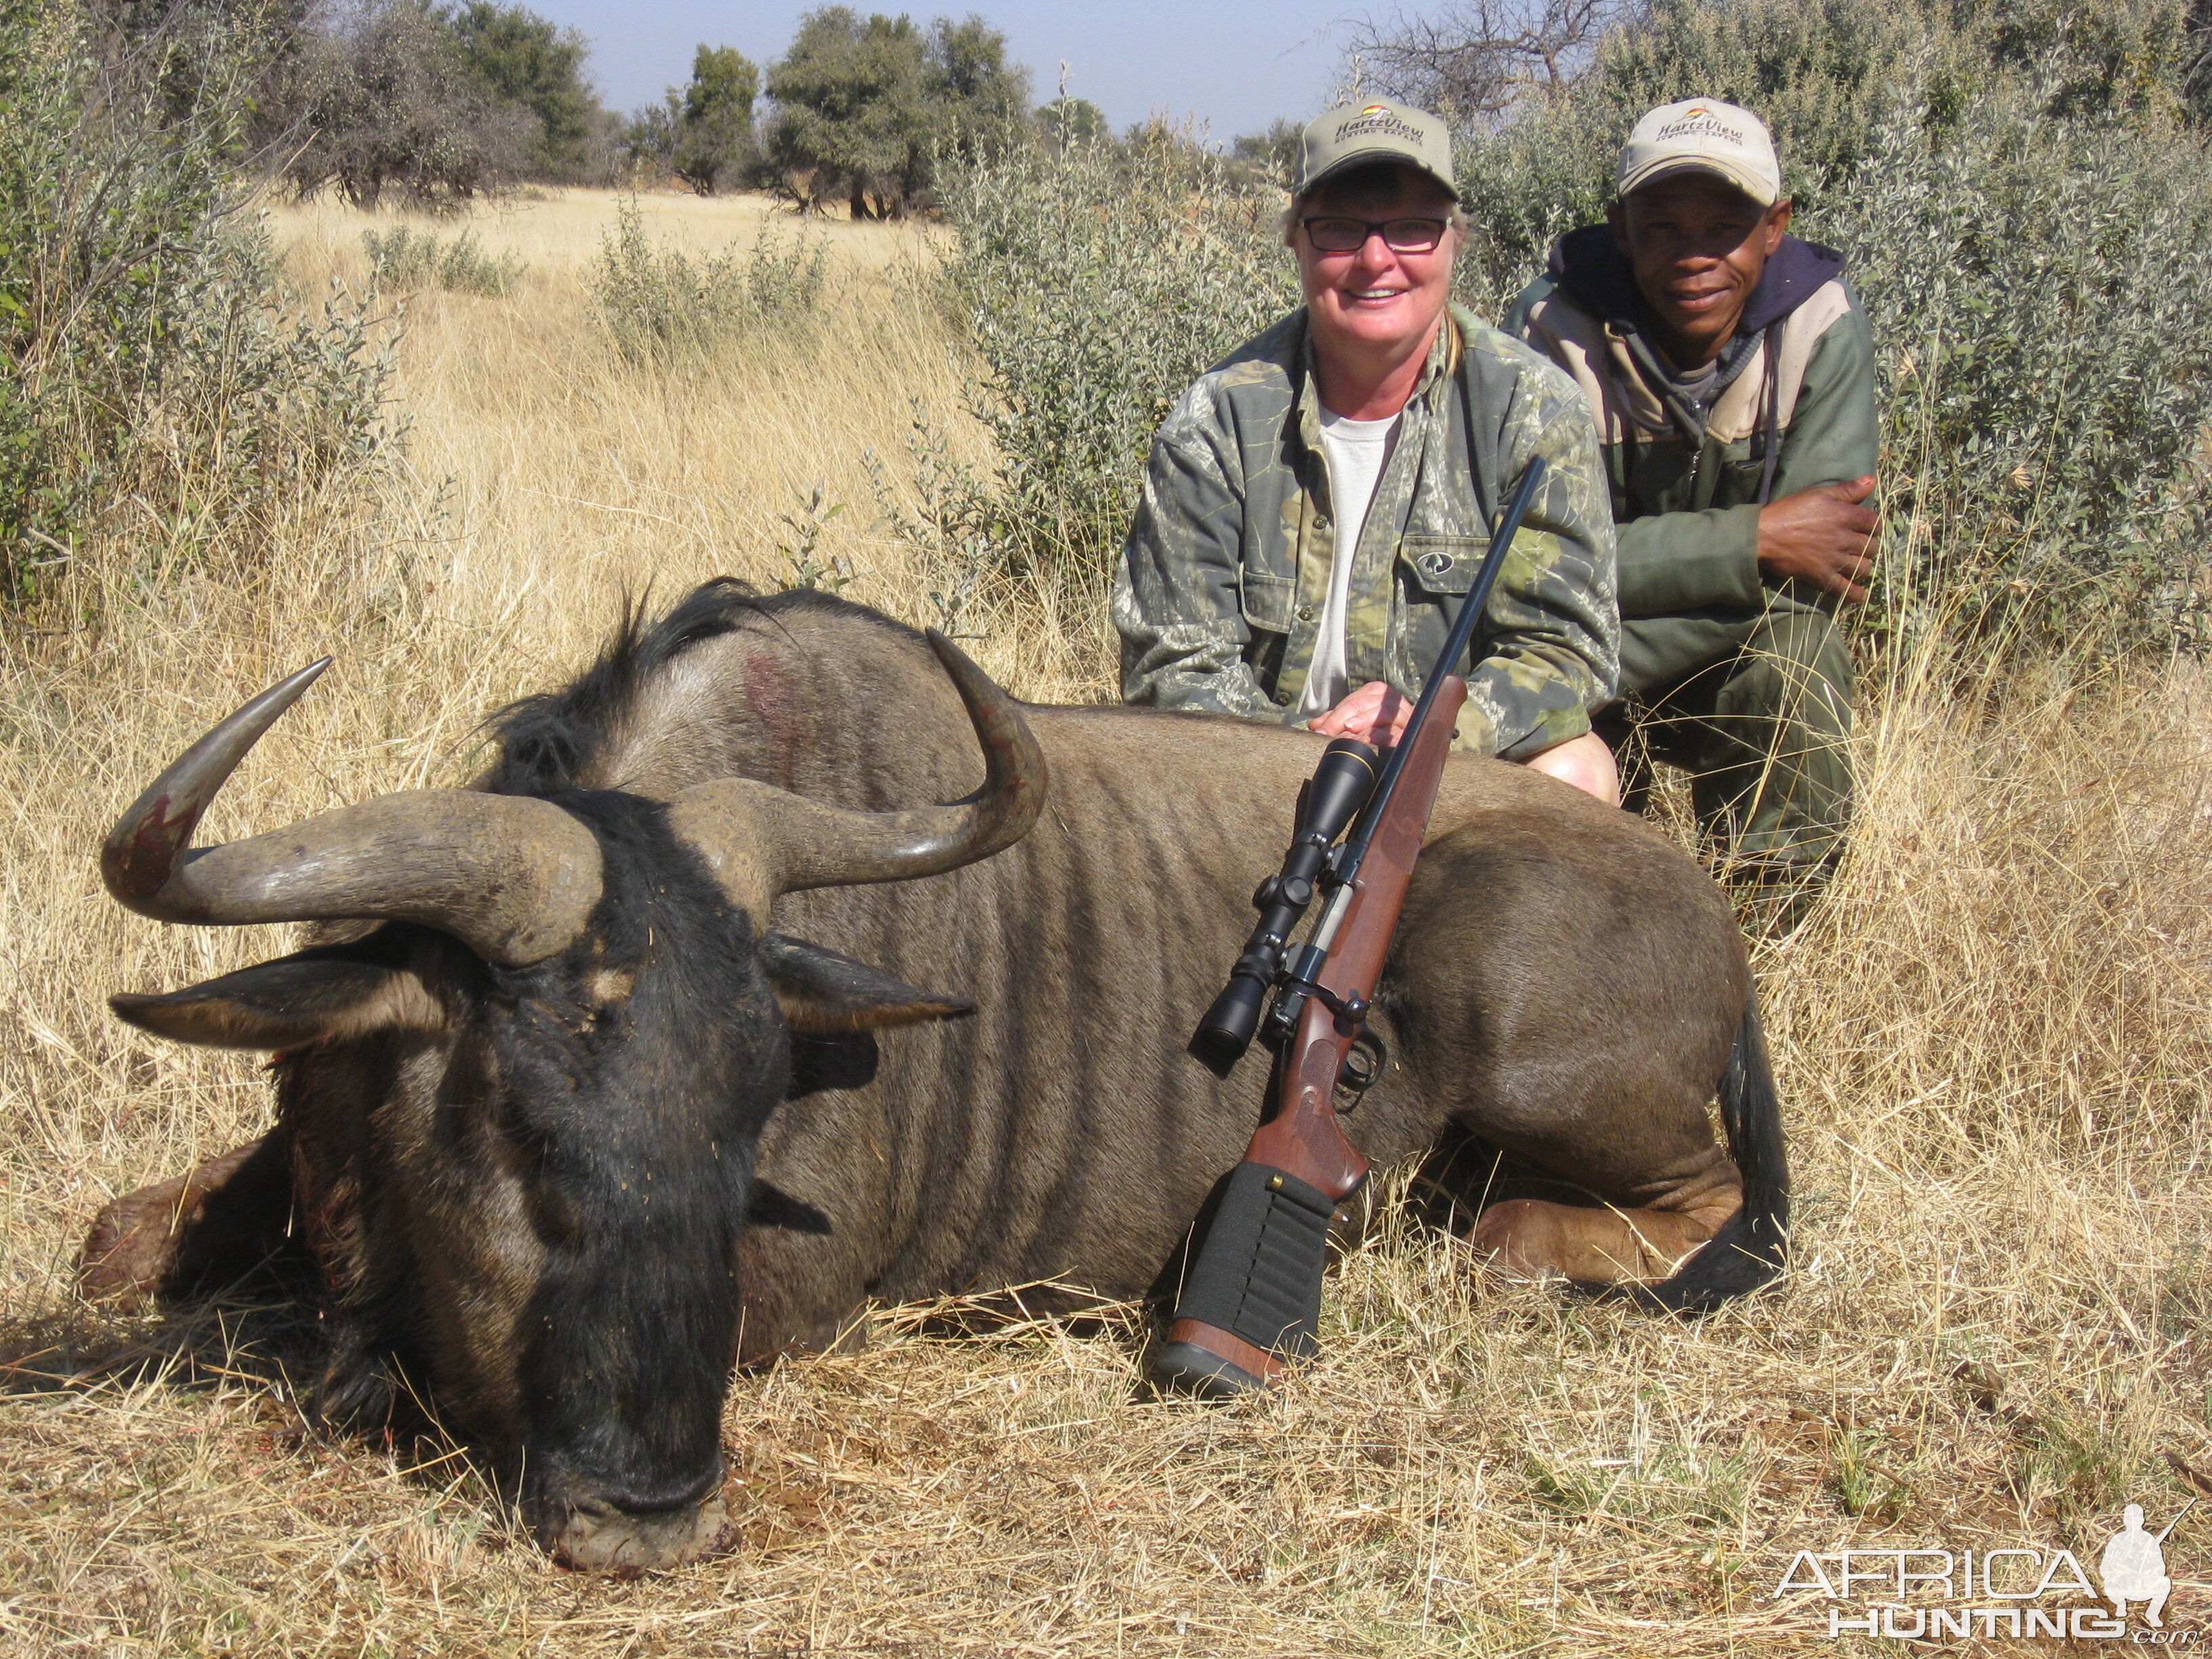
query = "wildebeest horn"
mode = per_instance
[
  {"x": 762, "y": 842},
  {"x": 512, "y": 879}
]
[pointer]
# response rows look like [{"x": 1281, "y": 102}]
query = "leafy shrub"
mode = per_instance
[
  {"x": 150, "y": 363},
  {"x": 412, "y": 260},
  {"x": 1098, "y": 282},
  {"x": 2042, "y": 291},
  {"x": 661, "y": 305}
]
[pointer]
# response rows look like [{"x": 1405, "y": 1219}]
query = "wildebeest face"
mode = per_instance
[{"x": 523, "y": 1171}]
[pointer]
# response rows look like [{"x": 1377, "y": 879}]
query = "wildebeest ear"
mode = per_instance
[
  {"x": 822, "y": 991},
  {"x": 307, "y": 998}
]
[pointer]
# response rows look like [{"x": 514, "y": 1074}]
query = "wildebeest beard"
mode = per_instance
[{"x": 546, "y": 1199}]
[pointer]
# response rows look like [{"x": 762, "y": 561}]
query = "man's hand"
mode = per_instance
[
  {"x": 1374, "y": 714},
  {"x": 1822, "y": 535}
]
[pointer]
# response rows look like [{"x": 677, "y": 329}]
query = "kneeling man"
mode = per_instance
[
  {"x": 1731, "y": 376},
  {"x": 1317, "y": 504}
]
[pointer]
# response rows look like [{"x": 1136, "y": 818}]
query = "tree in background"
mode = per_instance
[
  {"x": 1471, "y": 60},
  {"x": 521, "y": 60},
  {"x": 380, "y": 100},
  {"x": 704, "y": 133},
  {"x": 714, "y": 127},
  {"x": 1068, "y": 122},
  {"x": 866, "y": 107},
  {"x": 1271, "y": 157}
]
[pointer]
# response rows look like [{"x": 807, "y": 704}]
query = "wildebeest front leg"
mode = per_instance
[
  {"x": 1596, "y": 1243},
  {"x": 1602, "y": 1002},
  {"x": 203, "y": 1230}
]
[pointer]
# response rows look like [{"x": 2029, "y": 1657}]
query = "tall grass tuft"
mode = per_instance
[{"x": 662, "y": 306}]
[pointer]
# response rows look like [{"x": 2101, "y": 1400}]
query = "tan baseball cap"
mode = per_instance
[
  {"x": 1702, "y": 135},
  {"x": 1353, "y": 135}
]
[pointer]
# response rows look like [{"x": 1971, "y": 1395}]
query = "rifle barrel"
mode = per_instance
[{"x": 1455, "y": 644}]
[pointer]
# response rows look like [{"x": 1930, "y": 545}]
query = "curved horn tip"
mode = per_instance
[
  {"x": 140, "y": 850},
  {"x": 950, "y": 654}
]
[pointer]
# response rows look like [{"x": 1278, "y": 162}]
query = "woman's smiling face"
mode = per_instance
[{"x": 1376, "y": 300}]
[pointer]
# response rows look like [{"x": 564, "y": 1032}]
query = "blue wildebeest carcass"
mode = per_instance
[{"x": 610, "y": 1097}]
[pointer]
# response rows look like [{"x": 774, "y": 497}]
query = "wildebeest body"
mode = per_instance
[
  {"x": 1565, "y": 984},
  {"x": 572, "y": 1188}
]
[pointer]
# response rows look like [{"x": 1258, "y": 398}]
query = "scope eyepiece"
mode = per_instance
[{"x": 1230, "y": 1023}]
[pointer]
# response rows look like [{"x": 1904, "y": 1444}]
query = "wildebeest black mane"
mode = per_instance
[{"x": 548, "y": 741}]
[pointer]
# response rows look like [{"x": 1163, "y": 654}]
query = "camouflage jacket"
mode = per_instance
[
  {"x": 1793, "y": 407},
  {"x": 1227, "y": 565}
]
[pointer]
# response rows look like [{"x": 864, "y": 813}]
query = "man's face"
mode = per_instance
[
  {"x": 1697, "y": 245},
  {"x": 1374, "y": 297}
]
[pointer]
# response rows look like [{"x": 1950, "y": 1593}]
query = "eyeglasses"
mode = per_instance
[{"x": 1332, "y": 235}]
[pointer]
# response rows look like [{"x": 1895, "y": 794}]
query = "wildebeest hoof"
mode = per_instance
[
  {"x": 132, "y": 1247},
  {"x": 599, "y": 1537}
]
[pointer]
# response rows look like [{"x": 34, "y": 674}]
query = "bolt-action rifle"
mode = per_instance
[{"x": 1250, "y": 1301}]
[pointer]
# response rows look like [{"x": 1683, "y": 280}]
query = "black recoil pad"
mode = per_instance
[{"x": 1257, "y": 1275}]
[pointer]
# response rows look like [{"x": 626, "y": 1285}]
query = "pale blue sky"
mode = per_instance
[{"x": 1235, "y": 63}]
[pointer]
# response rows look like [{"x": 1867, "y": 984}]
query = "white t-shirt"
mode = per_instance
[{"x": 1356, "y": 453}]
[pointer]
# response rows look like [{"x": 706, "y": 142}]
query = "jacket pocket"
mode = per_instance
[
  {"x": 1442, "y": 566},
  {"x": 1268, "y": 601}
]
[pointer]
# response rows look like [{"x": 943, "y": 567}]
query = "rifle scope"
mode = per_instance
[{"x": 1331, "y": 798}]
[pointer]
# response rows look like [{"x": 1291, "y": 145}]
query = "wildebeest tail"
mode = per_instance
[{"x": 1747, "y": 1251}]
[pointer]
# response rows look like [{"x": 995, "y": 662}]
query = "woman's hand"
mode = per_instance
[{"x": 1374, "y": 714}]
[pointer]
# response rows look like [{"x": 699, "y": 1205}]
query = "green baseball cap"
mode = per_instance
[{"x": 1353, "y": 134}]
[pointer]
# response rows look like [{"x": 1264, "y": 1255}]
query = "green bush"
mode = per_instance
[
  {"x": 662, "y": 306},
  {"x": 151, "y": 364},
  {"x": 1098, "y": 282},
  {"x": 409, "y": 261}
]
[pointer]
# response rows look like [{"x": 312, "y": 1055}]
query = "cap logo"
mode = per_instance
[
  {"x": 1379, "y": 121},
  {"x": 1701, "y": 124}
]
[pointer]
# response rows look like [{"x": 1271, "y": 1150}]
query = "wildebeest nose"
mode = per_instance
[{"x": 599, "y": 1536}]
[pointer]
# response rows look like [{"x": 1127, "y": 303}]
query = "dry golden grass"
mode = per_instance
[{"x": 1992, "y": 1043}]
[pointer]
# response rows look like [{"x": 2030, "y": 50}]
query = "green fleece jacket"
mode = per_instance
[{"x": 1792, "y": 406}]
